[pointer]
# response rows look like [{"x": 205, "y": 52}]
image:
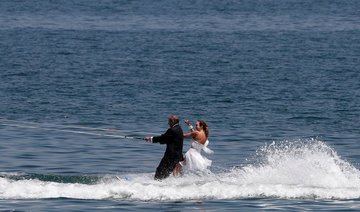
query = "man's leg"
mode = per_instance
[
  {"x": 164, "y": 169},
  {"x": 161, "y": 170}
]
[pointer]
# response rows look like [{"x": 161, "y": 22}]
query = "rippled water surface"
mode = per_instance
[{"x": 276, "y": 81}]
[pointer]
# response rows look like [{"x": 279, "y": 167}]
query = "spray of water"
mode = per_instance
[{"x": 298, "y": 169}]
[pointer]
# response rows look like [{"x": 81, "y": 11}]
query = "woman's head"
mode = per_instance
[{"x": 201, "y": 124}]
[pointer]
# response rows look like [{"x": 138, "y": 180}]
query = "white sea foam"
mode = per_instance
[{"x": 304, "y": 169}]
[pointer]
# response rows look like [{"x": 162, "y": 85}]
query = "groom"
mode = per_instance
[{"x": 173, "y": 138}]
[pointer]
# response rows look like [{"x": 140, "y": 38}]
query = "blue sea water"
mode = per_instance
[{"x": 276, "y": 81}]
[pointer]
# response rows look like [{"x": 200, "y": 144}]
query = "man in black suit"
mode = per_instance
[{"x": 173, "y": 138}]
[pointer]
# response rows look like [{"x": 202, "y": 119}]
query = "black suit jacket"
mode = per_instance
[{"x": 174, "y": 139}]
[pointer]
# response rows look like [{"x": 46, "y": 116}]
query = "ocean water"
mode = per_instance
[{"x": 276, "y": 81}]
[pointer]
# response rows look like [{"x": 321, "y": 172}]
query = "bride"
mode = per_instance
[{"x": 194, "y": 161}]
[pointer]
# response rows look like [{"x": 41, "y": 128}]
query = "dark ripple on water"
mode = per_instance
[{"x": 256, "y": 71}]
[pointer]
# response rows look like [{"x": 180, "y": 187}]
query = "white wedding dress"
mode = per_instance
[{"x": 194, "y": 161}]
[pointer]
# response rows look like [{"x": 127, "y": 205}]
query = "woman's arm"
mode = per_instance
[{"x": 192, "y": 134}]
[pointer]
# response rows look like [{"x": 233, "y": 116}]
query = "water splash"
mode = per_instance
[
  {"x": 302, "y": 169},
  {"x": 298, "y": 169}
]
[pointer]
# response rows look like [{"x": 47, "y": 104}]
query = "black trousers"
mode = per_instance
[{"x": 165, "y": 168}]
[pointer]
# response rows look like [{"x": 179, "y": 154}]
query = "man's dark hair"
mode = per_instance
[{"x": 173, "y": 119}]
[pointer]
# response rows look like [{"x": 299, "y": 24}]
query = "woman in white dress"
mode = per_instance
[{"x": 194, "y": 161}]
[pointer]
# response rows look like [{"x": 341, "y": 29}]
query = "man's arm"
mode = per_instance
[{"x": 164, "y": 138}]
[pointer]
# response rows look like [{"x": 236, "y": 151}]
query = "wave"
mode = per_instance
[{"x": 307, "y": 169}]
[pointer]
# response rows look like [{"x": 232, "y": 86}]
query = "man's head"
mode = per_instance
[{"x": 173, "y": 119}]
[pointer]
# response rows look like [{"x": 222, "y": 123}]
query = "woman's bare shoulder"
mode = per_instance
[{"x": 200, "y": 138}]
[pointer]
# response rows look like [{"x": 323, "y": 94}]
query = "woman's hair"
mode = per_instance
[{"x": 204, "y": 126}]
